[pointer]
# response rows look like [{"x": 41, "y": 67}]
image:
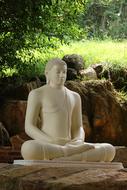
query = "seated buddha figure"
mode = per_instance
[{"x": 60, "y": 134}]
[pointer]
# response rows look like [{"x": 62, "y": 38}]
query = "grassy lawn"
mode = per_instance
[
  {"x": 112, "y": 52},
  {"x": 98, "y": 51}
]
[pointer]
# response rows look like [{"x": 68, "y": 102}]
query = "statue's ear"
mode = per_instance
[
  {"x": 46, "y": 73},
  {"x": 47, "y": 77}
]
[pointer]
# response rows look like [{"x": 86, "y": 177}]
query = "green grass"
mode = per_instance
[
  {"x": 114, "y": 53},
  {"x": 98, "y": 51},
  {"x": 111, "y": 52}
]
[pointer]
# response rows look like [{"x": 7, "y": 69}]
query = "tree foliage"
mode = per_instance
[
  {"x": 42, "y": 24},
  {"x": 29, "y": 24},
  {"x": 106, "y": 18}
]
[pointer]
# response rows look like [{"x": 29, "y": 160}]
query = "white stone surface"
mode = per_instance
[
  {"x": 60, "y": 134},
  {"x": 87, "y": 165}
]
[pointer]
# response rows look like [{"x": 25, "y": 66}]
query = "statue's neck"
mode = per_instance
[{"x": 59, "y": 87}]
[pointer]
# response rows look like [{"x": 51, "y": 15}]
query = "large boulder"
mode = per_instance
[
  {"x": 17, "y": 92},
  {"x": 89, "y": 74},
  {"x": 98, "y": 67},
  {"x": 12, "y": 115},
  {"x": 75, "y": 65},
  {"x": 74, "y": 61},
  {"x": 104, "y": 117},
  {"x": 4, "y": 136}
]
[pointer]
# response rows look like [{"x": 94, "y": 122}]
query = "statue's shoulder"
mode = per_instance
[
  {"x": 37, "y": 92},
  {"x": 73, "y": 93}
]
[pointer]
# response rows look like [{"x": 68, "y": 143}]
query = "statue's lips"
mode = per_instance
[{"x": 61, "y": 78}]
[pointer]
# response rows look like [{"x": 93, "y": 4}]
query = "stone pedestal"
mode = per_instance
[
  {"x": 37, "y": 177},
  {"x": 63, "y": 164}
]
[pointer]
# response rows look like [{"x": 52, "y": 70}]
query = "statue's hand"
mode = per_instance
[
  {"x": 77, "y": 149},
  {"x": 60, "y": 141},
  {"x": 88, "y": 146},
  {"x": 75, "y": 142}
]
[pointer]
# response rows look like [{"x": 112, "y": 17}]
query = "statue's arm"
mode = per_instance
[
  {"x": 32, "y": 114},
  {"x": 77, "y": 131}
]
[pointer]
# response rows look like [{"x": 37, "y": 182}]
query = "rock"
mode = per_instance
[
  {"x": 12, "y": 115},
  {"x": 2, "y": 101},
  {"x": 23, "y": 91},
  {"x": 20, "y": 92},
  {"x": 74, "y": 61},
  {"x": 4, "y": 136},
  {"x": 8, "y": 155},
  {"x": 71, "y": 74},
  {"x": 89, "y": 74},
  {"x": 18, "y": 140},
  {"x": 51, "y": 178},
  {"x": 87, "y": 127},
  {"x": 13, "y": 152},
  {"x": 106, "y": 116},
  {"x": 121, "y": 155},
  {"x": 75, "y": 66},
  {"x": 98, "y": 68},
  {"x": 117, "y": 75}
]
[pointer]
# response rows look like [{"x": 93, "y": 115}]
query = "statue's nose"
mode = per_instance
[{"x": 62, "y": 74}]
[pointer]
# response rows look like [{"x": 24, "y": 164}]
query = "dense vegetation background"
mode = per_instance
[{"x": 33, "y": 31}]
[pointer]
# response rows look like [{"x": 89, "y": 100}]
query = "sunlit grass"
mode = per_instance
[
  {"x": 114, "y": 53},
  {"x": 111, "y": 52},
  {"x": 98, "y": 51}
]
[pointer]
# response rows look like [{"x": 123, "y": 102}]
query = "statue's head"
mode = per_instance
[{"x": 56, "y": 71}]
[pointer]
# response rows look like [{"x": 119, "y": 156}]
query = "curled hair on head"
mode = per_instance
[{"x": 51, "y": 63}]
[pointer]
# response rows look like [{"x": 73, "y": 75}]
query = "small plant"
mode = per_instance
[{"x": 122, "y": 97}]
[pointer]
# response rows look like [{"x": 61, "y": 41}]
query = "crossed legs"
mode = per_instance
[{"x": 32, "y": 150}]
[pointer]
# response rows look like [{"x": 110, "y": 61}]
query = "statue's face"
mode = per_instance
[{"x": 57, "y": 75}]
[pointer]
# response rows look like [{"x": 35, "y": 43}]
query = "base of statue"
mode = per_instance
[{"x": 83, "y": 164}]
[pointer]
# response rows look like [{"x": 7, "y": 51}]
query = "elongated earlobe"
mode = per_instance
[
  {"x": 47, "y": 78},
  {"x": 47, "y": 81}
]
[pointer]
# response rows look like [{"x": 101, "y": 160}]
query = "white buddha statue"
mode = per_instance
[{"x": 60, "y": 134}]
